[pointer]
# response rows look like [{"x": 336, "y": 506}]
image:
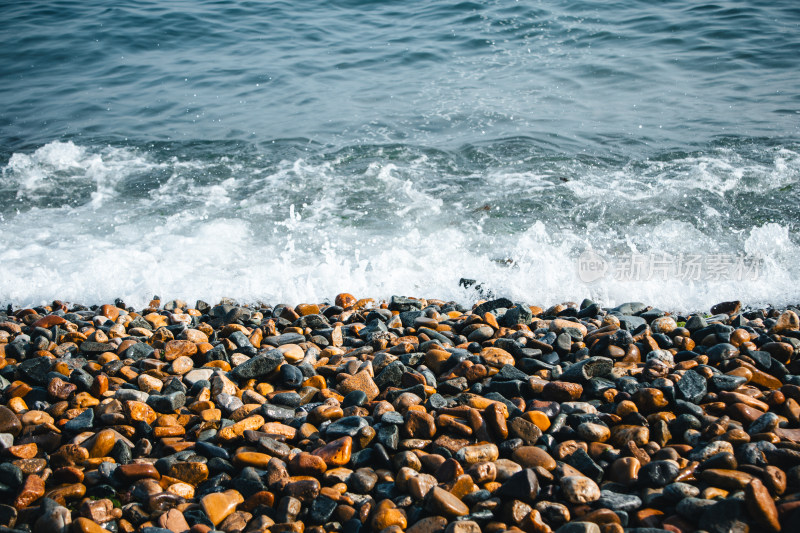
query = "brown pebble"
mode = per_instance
[
  {"x": 304, "y": 490},
  {"x": 579, "y": 489},
  {"x": 419, "y": 425},
  {"x": 99, "y": 511},
  {"x": 9, "y": 423},
  {"x": 726, "y": 479},
  {"x": 32, "y": 489},
  {"x": 562, "y": 391},
  {"x": 337, "y": 452},
  {"x": 135, "y": 471},
  {"x": 761, "y": 505},
  {"x": 360, "y": 381},
  {"x": 388, "y": 517},
  {"x": 219, "y": 505},
  {"x": 306, "y": 464},
  {"x": 191, "y": 473},
  {"x": 625, "y": 470},
  {"x": 531, "y": 456},
  {"x": 445, "y": 503},
  {"x": 84, "y": 525}
]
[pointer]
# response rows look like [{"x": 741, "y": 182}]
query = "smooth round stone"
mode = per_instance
[
  {"x": 496, "y": 420},
  {"x": 693, "y": 508},
  {"x": 622, "y": 434},
  {"x": 346, "y": 426},
  {"x": 650, "y": 400},
  {"x": 392, "y": 417},
  {"x": 525, "y": 430},
  {"x": 291, "y": 376},
  {"x": 761, "y": 505},
  {"x": 277, "y": 412},
  {"x": 580, "y": 489},
  {"x": 478, "y": 453},
  {"x": 579, "y": 527},
  {"x": 532, "y": 456},
  {"x": 6, "y": 440},
  {"x": 625, "y": 470},
  {"x": 407, "y": 459},
  {"x": 304, "y": 490},
  {"x": 420, "y": 485},
  {"x": 67, "y": 492},
  {"x": 481, "y": 334},
  {"x": 446, "y": 503},
  {"x": 31, "y": 466},
  {"x": 725, "y": 515},
  {"x": 726, "y": 479},
  {"x": 254, "y": 459},
  {"x": 562, "y": 391},
  {"x": 766, "y": 423},
  {"x": 419, "y": 425},
  {"x": 11, "y": 475},
  {"x": 720, "y": 460},
  {"x": 337, "y": 452},
  {"x": 135, "y": 471},
  {"x": 288, "y": 399},
  {"x": 721, "y": 352},
  {"x": 55, "y": 520},
  {"x": 84, "y": 525},
  {"x": 219, "y": 505},
  {"x": 355, "y": 398},
  {"x": 678, "y": 491},
  {"x": 190, "y": 472},
  {"x": 664, "y": 324},
  {"x": 386, "y": 518},
  {"x": 182, "y": 365},
  {"x": 306, "y": 464},
  {"x": 34, "y": 418},
  {"x": 173, "y": 520},
  {"x": 362, "y": 481},
  {"x": 592, "y": 432},
  {"x": 149, "y": 384},
  {"x": 711, "y": 449},
  {"x": 198, "y": 374},
  {"x": 9, "y": 423},
  {"x": 506, "y": 468}
]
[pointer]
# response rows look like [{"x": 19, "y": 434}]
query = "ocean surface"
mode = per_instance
[{"x": 288, "y": 151}]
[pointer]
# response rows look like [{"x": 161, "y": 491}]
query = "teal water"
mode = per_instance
[{"x": 289, "y": 151}]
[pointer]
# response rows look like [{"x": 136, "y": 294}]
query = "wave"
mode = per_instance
[{"x": 92, "y": 223}]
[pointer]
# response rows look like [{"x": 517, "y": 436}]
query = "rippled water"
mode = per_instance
[{"x": 273, "y": 151}]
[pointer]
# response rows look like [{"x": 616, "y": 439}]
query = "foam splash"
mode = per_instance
[{"x": 300, "y": 230}]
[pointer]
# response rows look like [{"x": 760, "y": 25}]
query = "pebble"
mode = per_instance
[
  {"x": 412, "y": 414},
  {"x": 219, "y": 505},
  {"x": 446, "y": 503},
  {"x": 579, "y": 489},
  {"x": 761, "y": 505},
  {"x": 532, "y": 456}
]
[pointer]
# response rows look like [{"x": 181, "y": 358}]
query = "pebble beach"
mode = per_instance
[
  {"x": 408, "y": 414},
  {"x": 567, "y": 232}
]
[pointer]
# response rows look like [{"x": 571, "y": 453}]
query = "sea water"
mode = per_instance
[{"x": 288, "y": 151}]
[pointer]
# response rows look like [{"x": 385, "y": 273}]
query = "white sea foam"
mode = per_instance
[{"x": 304, "y": 230}]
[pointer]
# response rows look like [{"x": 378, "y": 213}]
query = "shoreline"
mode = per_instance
[{"x": 404, "y": 415}]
